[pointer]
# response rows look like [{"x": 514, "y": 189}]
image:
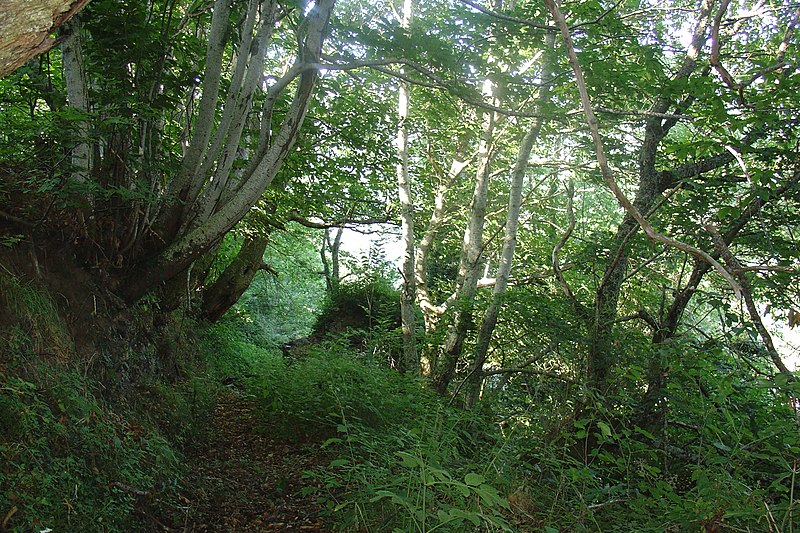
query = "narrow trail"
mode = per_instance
[{"x": 242, "y": 480}]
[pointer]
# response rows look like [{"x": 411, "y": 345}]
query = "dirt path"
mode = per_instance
[{"x": 244, "y": 481}]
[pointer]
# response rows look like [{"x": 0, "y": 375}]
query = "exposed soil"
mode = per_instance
[{"x": 242, "y": 480}]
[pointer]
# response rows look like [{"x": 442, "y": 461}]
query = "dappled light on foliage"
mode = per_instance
[{"x": 592, "y": 324}]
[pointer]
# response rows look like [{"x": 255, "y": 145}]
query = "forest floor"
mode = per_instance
[{"x": 241, "y": 479}]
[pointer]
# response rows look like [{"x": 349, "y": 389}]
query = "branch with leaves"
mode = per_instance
[{"x": 605, "y": 169}]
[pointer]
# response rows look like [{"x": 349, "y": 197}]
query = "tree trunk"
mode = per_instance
[
  {"x": 410, "y": 357},
  {"x": 25, "y": 27},
  {"x": 652, "y": 408},
  {"x": 234, "y": 280},
  {"x": 332, "y": 268},
  {"x": 182, "y": 243},
  {"x": 431, "y": 312},
  {"x": 469, "y": 265},
  {"x": 601, "y": 357},
  {"x": 77, "y": 96},
  {"x": 489, "y": 321}
]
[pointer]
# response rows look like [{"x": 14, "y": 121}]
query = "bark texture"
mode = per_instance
[
  {"x": 489, "y": 321},
  {"x": 25, "y": 29},
  {"x": 234, "y": 280},
  {"x": 77, "y": 96},
  {"x": 191, "y": 228},
  {"x": 410, "y": 359},
  {"x": 470, "y": 263},
  {"x": 601, "y": 354}
]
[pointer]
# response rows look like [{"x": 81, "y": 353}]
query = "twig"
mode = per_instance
[
  {"x": 744, "y": 283},
  {"x": 122, "y": 486},
  {"x": 515, "y": 370}
]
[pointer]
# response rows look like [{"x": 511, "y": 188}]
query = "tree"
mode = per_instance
[
  {"x": 503, "y": 274},
  {"x": 408, "y": 296},
  {"x": 175, "y": 158},
  {"x": 654, "y": 182}
]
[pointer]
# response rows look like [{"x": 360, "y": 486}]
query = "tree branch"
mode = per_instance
[
  {"x": 434, "y": 81},
  {"x": 294, "y": 216},
  {"x": 605, "y": 168},
  {"x": 744, "y": 283},
  {"x": 578, "y": 306}
]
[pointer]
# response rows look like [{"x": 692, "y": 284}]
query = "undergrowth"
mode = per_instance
[
  {"x": 400, "y": 458},
  {"x": 404, "y": 459},
  {"x": 70, "y": 459},
  {"x": 71, "y": 463}
]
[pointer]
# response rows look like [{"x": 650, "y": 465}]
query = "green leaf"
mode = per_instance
[
  {"x": 720, "y": 446},
  {"x": 472, "y": 479},
  {"x": 605, "y": 429},
  {"x": 408, "y": 460},
  {"x": 331, "y": 441},
  {"x": 489, "y": 496},
  {"x": 463, "y": 489},
  {"x": 395, "y": 498},
  {"x": 462, "y": 514}
]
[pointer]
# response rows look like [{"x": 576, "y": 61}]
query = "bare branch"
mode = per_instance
[
  {"x": 714, "y": 59},
  {"x": 294, "y": 216},
  {"x": 765, "y": 268},
  {"x": 579, "y": 307},
  {"x": 643, "y": 315},
  {"x": 16, "y": 220},
  {"x": 509, "y": 18},
  {"x": 516, "y": 370},
  {"x": 639, "y": 113},
  {"x": 432, "y": 81}
]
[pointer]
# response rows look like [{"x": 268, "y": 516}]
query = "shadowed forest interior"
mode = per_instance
[{"x": 400, "y": 265}]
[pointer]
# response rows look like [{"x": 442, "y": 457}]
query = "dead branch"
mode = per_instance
[{"x": 557, "y": 272}]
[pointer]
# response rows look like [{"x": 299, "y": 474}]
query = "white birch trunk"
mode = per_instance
[
  {"x": 469, "y": 264},
  {"x": 410, "y": 360},
  {"x": 510, "y": 232},
  {"x": 77, "y": 97},
  {"x": 431, "y": 312},
  {"x": 225, "y": 147}
]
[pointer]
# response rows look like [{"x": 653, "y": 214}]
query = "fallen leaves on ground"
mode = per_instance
[{"x": 243, "y": 480}]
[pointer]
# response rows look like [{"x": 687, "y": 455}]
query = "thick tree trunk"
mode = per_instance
[
  {"x": 25, "y": 29},
  {"x": 234, "y": 280},
  {"x": 235, "y": 202},
  {"x": 601, "y": 354}
]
